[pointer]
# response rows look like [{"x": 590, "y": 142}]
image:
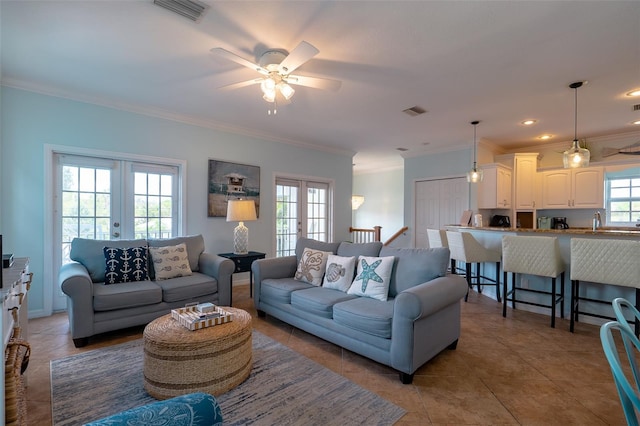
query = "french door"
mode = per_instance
[
  {"x": 302, "y": 210},
  {"x": 109, "y": 199}
]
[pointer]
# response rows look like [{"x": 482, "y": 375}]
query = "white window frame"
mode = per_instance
[
  {"x": 306, "y": 180},
  {"x": 50, "y": 151},
  {"x": 627, "y": 174}
]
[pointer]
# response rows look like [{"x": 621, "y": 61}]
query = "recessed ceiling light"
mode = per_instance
[
  {"x": 634, "y": 92},
  {"x": 545, "y": 137},
  {"x": 528, "y": 122},
  {"x": 635, "y": 122}
]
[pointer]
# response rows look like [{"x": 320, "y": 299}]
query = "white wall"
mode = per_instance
[
  {"x": 384, "y": 201},
  {"x": 31, "y": 120}
]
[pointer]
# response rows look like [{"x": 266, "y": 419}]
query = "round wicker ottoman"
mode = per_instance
[{"x": 214, "y": 360}]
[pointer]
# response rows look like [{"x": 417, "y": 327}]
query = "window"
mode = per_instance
[
  {"x": 302, "y": 210},
  {"x": 623, "y": 201}
]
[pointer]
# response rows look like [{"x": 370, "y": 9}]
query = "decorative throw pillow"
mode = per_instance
[
  {"x": 125, "y": 265},
  {"x": 373, "y": 277},
  {"x": 170, "y": 261},
  {"x": 311, "y": 266},
  {"x": 339, "y": 273}
]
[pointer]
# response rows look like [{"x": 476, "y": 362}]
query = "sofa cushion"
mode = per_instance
[
  {"x": 90, "y": 254},
  {"x": 359, "y": 249},
  {"x": 278, "y": 291},
  {"x": 415, "y": 266},
  {"x": 170, "y": 261},
  {"x": 311, "y": 266},
  {"x": 195, "y": 247},
  {"x": 125, "y": 295},
  {"x": 318, "y": 300},
  {"x": 365, "y": 314},
  {"x": 373, "y": 277},
  {"x": 125, "y": 265},
  {"x": 339, "y": 272},
  {"x": 302, "y": 243},
  {"x": 186, "y": 288}
]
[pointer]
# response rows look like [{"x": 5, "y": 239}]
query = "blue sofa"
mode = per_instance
[
  {"x": 195, "y": 409},
  {"x": 94, "y": 307},
  {"x": 420, "y": 319}
]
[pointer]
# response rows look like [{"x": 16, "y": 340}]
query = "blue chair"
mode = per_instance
[
  {"x": 195, "y": 409},
  {"x": 628, "y": 390},
  {"x": 619, "y": 304}
]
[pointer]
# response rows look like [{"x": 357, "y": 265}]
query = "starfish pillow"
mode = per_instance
[{"x": 373, "y": 277}]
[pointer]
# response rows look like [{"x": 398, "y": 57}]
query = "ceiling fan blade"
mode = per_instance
[
  {"x": 242, "y": 84},
  {"x": 239, "y": 60},
  {"x": 315, "y": 82},
  {"x": 298, "y": 56}
]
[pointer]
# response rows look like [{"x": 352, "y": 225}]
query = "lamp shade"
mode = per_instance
[{"x": 241, "y": 210}]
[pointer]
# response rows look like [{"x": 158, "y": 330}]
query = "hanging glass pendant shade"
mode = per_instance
[
  {"x": 576, "y": 156},
  {"x": 474, "y": 175}
]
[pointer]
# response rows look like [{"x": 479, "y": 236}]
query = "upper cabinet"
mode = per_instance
[
  {"x": 580, "y": 188},
  {"x": 494, "y": 192},
  {"x": 525, "y": 169}
]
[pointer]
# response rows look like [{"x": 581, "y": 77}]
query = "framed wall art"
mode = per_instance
[{"x": 231, "y": 181}]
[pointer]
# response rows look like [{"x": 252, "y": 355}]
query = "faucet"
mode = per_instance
[{"x": 597, "y": 220}]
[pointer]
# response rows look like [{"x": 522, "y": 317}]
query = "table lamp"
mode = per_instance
[{"x": 241, "y": 211}]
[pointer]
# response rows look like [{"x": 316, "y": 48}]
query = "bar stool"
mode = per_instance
[
  {"x": 603, "y": 261},
  {"x": 532, "y": 256},
  {"x": 465, "y": 248},
  {"x": 438, "y": 238}
]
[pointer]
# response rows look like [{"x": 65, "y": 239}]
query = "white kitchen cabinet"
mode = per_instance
[
  {"x": 494, "y": 192},
  {"x": 580, "y": 188},
  {"x": 526, "y": 166}
]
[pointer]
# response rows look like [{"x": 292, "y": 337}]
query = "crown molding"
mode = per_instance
[{"x": 164, "y": 114}]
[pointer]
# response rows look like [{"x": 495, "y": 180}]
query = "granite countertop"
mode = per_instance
[{"x": 606, "y": 230}]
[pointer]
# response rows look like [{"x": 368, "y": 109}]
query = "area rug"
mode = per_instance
[{"x": 284, "y": 388}]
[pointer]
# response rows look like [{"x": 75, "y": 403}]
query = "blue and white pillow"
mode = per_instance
[
  {"x": 373, "y": 277},
  {"x": 339, "y": 273},
  {"x": 125, "y": 265}
]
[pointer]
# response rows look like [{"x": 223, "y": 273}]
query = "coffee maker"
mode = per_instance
[{"x": 560, "y": 223}]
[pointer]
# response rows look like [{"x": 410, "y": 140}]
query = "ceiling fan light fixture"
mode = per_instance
[
  {"x": 286, "y": 90},
  {"x": 269, "y": 96},
  {"x": 576, "y": 156}
]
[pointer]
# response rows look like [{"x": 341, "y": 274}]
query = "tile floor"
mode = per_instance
[{"x": 516, "y": 370}]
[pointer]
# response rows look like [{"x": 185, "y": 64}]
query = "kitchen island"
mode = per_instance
[{"x": 491, "y": 237}]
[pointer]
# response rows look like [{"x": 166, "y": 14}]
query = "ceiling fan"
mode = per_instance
[{"x": 276, "y": 67}]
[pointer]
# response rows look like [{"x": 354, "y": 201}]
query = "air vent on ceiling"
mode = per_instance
[
  {"x": 414, "y": 111},
  {"x": 188, "y": 8},
  {"x": 636, "y": 107}
]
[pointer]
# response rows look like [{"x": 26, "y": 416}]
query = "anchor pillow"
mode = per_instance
[
  {"x": 339, "y": 273},
  {"x": 125, "y": 265},
  {"x": 373, "y": 277}
]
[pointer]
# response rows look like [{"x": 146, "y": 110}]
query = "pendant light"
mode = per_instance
[
  {"x": 576, "y": 156},
  {"x": 475, "y": 175}
]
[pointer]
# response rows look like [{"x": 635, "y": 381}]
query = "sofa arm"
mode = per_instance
[
  {"x": 221, "y": 269},
  {"x": 76, "y": 283},
  {"x": 427, "y": 298},
  {"x": 197, "y": 409},
  {"x": 271, "y": 268}
]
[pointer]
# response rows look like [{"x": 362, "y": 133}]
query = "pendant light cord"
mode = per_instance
[{"x": 575, "y": 128}]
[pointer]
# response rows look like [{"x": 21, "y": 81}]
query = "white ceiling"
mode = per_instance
[{"x": 499, "y": 62}]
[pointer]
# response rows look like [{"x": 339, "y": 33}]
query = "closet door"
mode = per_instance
[{"x": 439, "y": 202}]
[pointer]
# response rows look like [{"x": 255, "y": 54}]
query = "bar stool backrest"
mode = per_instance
[
  {"x": 437, "y": 238},
  {"x": 465, "y": 247},
  {"x": 532, "y": 255},
  {"x": 606, "y": 261}
]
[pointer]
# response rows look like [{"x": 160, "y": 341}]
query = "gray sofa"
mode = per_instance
[
  {"x": 94, "y": 307},
  {"x": 420, "y": 318}
]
